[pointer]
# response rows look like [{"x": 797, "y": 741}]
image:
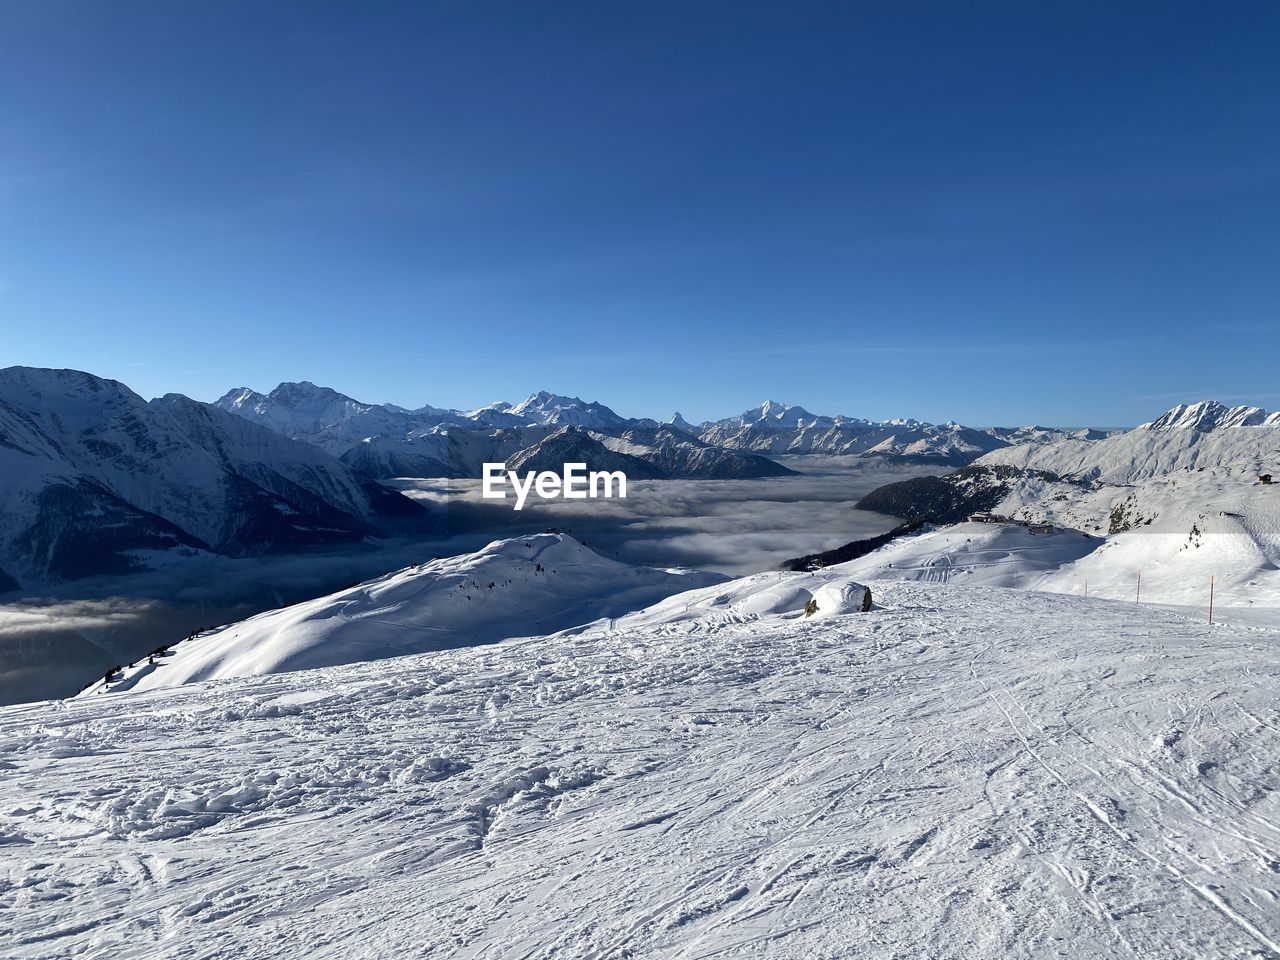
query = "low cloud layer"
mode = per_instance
[{"x": 731, "y": 526}]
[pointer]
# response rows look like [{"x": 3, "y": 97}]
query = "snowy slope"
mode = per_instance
[
  {"x": 517, "y": 587},
  {"x": 998, "y": 555},
  {"x": 963, "y": 772}
]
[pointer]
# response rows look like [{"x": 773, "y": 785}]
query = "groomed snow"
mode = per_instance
[{"x": 961, "y": 772}]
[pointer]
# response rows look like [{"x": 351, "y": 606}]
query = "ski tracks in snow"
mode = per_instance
[{"x": 962, "y": 772}]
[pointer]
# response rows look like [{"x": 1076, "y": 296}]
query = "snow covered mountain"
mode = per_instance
[
  {"x": 516, "y": 587},
  {"x": 550, "y": 410},
  {"x": 781, "y": 416},
  {"x": 1210, "y": 415},
  {"x": 962, "y": 772},
  {"x": 337, "y": 422},
  {"x": 1172, "y": 503},
  {"x": 441, "y": 451},
  {"x": 572, "y": 445},
  {"x": 677, "y": 454},
  {"x": 98, "y": 480},
  {"x": 1239, "y": 442},
  {"x": 328, "y": 419},
  {"x": 643, "y": 452},
  {"x": 948, "y": 444},
  {"x": 303, "y": 409}
]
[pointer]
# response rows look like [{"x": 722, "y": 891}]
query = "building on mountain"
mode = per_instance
[{"x": 1264, "y": 478}]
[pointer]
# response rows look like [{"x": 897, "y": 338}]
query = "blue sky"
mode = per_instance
[{"x": 997, "y": 213}]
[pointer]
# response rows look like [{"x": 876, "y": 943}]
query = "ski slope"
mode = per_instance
[
  {"x": 960, "y": 772},
  {"x": 515, "y": 587},
  {"x": 975, "y": 554}
]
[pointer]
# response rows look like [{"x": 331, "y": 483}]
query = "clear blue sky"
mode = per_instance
[{"x": 998, "y": 213}]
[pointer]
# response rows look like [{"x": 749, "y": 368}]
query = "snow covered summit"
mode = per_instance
[
  {"x": 1211, "y": 415},
  {"x": 550, "y": 409}
]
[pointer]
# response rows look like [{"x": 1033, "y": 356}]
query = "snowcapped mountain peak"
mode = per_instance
[
  {"x": 302, "y": 390},
  {"x": 498, "y": 414},
  {"x": 1210, "y": 415},
  {"x": 294, "y": 408},
  {"x": 500, "y": 406},
  {"x": 782, "y": 414},
  {"x": 677, "y": 422},
  {"x": 71, "y": 395},
  {"x": 552, "y": 409},
  {"x": 238, "y": 398}
]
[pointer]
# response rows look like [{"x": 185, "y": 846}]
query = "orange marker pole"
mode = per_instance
[{"x": 1211, "y": 598}]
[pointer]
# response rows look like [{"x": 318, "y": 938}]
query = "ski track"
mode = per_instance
[{"x": 962, "y": 772}]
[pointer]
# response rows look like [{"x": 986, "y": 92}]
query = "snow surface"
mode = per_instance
[
  {"x": 961, "y": 772},
  {"x": 516, "y": 587},
  {"x": 996, "y": 555}
]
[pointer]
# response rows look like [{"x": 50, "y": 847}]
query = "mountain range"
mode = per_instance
[
  {"x": 387, "y": 441},
  {"x": 99, "y": 480}
]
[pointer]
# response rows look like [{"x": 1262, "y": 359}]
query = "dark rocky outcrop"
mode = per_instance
[{"x": 850, "y": 551}]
